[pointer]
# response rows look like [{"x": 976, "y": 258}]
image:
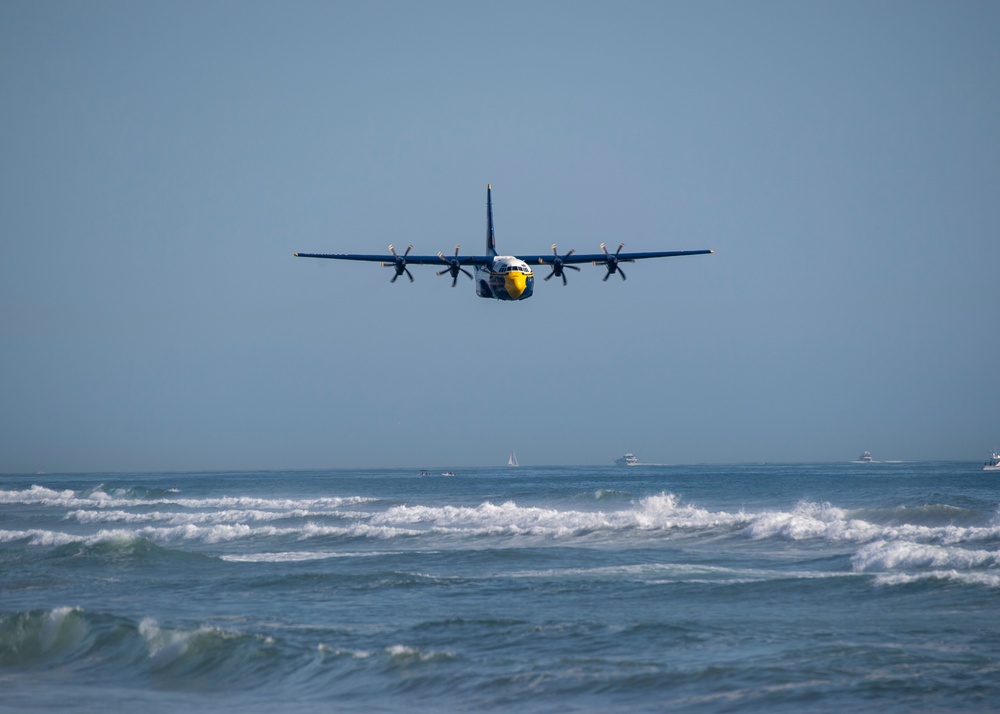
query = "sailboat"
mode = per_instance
[{"x": 512, "y": 459}]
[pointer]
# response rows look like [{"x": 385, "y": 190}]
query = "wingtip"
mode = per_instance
[{"x": 295, "y": 254}]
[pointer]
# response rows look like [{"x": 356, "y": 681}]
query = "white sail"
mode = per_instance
[{"x": 512, "y": 459}]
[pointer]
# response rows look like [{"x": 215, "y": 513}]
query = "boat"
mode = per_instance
[
  {"x": 628, "y": 459},
  {"x": 447, "y": 473},
  {"x": 866, "y": 457},
  {"x": 512, "y": 459},
  {"x": 994, "y": 463}
]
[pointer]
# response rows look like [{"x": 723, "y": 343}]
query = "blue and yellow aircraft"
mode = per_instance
[{"x": 503, "y": 277}]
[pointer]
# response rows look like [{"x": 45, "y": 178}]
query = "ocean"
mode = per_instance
[{"x": 846, "y": 587}]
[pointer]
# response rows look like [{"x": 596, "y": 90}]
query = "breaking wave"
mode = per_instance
[
  {"x": 78, "y": 642},
  {"x": 104, "y": 497},
  {"x": 938, "y": 538},
  {"x": 893, "y": 555}
]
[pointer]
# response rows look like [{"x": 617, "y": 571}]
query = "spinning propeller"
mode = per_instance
[
  {"x": 454, "y": 267},
  {"x": 611, "y": 261},
  {"x": 558, "y": 267},
  {"x": 399, "y": 263}
]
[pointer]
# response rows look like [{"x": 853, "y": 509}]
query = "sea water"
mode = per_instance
[{"x": 847, "y": 587}]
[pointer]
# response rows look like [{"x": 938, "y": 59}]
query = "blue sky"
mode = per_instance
[{"x": 162, "y": 162}]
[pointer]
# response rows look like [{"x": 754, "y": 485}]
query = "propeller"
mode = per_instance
[
  {"x": 454, "y": 267},
  {"x": 399, "y": 263},
  {"x": 611, "y": 261},
  {"x": 557, "y": 265}
]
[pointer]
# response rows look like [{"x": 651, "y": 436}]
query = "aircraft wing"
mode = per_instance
[
  {"x": 453, "y": 265},
  {"x": 392, "y": 259},
  {"x": 599, "y": 258},
  {"x": 611, "y": 261}
]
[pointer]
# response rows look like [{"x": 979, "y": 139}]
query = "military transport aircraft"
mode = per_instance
[{"x": 503, "y": 277}]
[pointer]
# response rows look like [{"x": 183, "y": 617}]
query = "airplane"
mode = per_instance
[{"x": 503, "y": 277}]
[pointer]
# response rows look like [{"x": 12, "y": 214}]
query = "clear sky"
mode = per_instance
[{"x": 161, "y": 162}]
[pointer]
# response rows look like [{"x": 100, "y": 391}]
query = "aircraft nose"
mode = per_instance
[{"x": 515, "y": 284}]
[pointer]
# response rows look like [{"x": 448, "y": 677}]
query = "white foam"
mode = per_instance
[
  {"x": 825, "y": 522},
  {"x": 38, "y": 537},
  {"x": 185, "y": 518},
  {"x": 404, "y": 653},
  {"x": 39, "y": 495},
  {"x": 811, "y": 521},
  {"x": 226, "y": 519},
  {"x": 660, "y": 512},
  {"x": 991, "y": 580},
  {"x": 165, "y": 646},
  {"x": 662, "y": 573},
  {"x": 891, "y": 555},
  {"x": 299, "y": 556}
]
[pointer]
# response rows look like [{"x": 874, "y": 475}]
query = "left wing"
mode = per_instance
[
  {"x": 453, "y": 264},
  {"x": 608, "y": 260}
]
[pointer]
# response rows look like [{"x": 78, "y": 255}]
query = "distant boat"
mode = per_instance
[
  {"x": 628, "y": 459},
  {"x": 993, "y": 464},
  {"x": 512, "y": 459},
  {"x": 425, "y": 472},
  {"x": 865, "y": 457},
  {"x": 447, "y": 473}
]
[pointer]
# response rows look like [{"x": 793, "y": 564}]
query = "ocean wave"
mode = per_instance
[
  {"x": 88, "y": 644},
  {"x": 202, "y": 517},
  {"x": 73, "y": 637},
  {"x": 665, "y": 512},
  {"x": 610, "y": 493},
  {"x": 118, "y": 547},
  {"x": 660, "y": 512},
  {"x": 893, "y": 555},
  {"x": 673, "y": 573},
  {"x": 811, "y": 521},
  {"x": 214, "y": 534},
  {"x": 990, "y": 580},
  {"x": 826, "y": 522},
  {"x": 45, "y": 637},
  {"x": 930, "y": 514},
  {"x": 404, "y": 654},
  {"x": 104, "y": 497},
  {"x": 301, "y": 556},
  {"x": 37, "y": 494},
  {"x": 229, "y": 519}
]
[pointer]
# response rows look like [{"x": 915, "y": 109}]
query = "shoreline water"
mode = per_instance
[{"x": 765, "y": 587}]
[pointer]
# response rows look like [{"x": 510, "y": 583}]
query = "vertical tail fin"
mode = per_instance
[{"x": 491, "y": 245}]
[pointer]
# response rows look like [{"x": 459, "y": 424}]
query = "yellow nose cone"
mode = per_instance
[{"x": 515, "y": 284}]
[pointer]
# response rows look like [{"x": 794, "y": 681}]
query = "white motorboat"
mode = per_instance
[{"x": 628, "y": 459}]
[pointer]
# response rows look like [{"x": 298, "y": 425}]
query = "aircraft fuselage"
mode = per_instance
[{"x": 505, "y": 278}]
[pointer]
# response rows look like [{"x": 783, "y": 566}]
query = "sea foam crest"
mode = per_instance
[
  {"x": 165, "y": 645},
  {"x": 186, "y": 518},
  {"x": 987, "y": 579},
  {"x": 660, "y": 512},
  {"x": 811, "y": 520},
  {"x": 222, "y": 533},
  {"x": 664, "y": 511},
  {"x": 36, "y": 536},
  {"x": 37, "y": 495},
  {"x": 892, "y": 555},
  {"x": 120, "y": 498},
  {"x": 826, "y": 522}
]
